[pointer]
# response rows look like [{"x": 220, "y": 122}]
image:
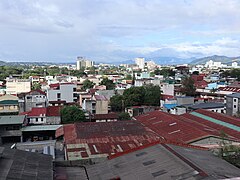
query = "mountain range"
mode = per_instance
[{"x": 158, "y": 60}]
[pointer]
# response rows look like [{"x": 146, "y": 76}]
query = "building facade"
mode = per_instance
[{"x": 16, "y": 86}]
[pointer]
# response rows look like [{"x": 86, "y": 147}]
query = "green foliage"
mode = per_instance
[
  {"x": 117, "y": 103},
  {"x": 71, "y": 114},
  {"x": 152, "y": 95},
  {"x": 123, "y": 116},
  {"x": 36, "y": 86},
  {"x": 188, "y": 87},
  {"x": 195, "y": 72},
  {"x": 234, "y": 73},
  {"x": 129, "y": 77},
  {"x": 137, "y": 96},
  {"x": 108, "y": 83},
  {"x": 134, "y": 96},
  {"x": 87, "y": 84},
  {"x": 166, "y": 72}
]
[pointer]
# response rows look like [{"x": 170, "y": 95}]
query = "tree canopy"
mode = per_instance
[
  {"x": 108, "y": 83},
  {"x": 87, "y": 84},
  {"x": 71, "y": 114},
  {"x": 123, "y": 116},
  {"x": 137, "y": 96},
  {"x": 188, "y": 87}
]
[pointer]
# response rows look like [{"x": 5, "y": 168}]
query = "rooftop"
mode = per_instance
[
  {"x": 41, "y": 128},
  {"x": 207, "y": 105},
  {"x": 164, "y": 161},
  {"x": 17, "y": 164},
  {"x": 8, "y": 120}
]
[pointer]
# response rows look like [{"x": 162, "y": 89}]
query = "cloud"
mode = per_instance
[{"x": 110, "y": 30}]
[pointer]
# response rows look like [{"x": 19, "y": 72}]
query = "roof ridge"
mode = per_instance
[{"x": 155, "y": 143}]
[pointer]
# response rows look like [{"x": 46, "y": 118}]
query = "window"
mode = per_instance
[
  {"x": 42, "y": 119},
  {"x": 234, "y": 100},
  {"x": 36, "y": 119},
  {"x": 58, "y": 95},
  {"x": 235, "y": 106}
]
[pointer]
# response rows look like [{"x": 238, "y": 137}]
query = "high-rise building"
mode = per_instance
[
  {"x": 83, "y": 63},
  {"x": 140, "y": 62}
]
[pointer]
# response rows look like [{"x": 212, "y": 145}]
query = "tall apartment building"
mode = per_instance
[
  {"x": 17, "y": 86},
  {"x": 83, "y": 63},
  {"x": 140, "y": 62},
  {"x": 233, "y": 104}
]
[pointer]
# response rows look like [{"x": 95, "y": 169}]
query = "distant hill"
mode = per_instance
[{"x": 223, "y": 59}]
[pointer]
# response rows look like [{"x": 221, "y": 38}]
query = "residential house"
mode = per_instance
[
  {"x": 44, "y": 115},
  {"x": 16, "y": 86},
  {"x": 34, "y": 98},
  {"x": 98, "y": 104},
  {"x": 9, "y": 105},
  {"x": 62, "y": 92},
  {"x": 10, "y": 128},
  {"x": 233, "y": 104}
]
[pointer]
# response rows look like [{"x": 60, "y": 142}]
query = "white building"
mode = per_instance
[
  {"x": 167, "y": 89},
  {"x": 213, "y": 65},
  {"x": 16, "y": 86},
  {"x": 62, "y": 92},
  {"x": 140, "y": 62},
  {"x": 83, "y": 63}
]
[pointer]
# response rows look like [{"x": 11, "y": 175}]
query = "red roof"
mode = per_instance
[
  {"x": 221, "y": 117},
  {"x": 36, "y": 111},
  {"x": 37, "y": 91},
  {"x": 187, "y": 127},
  {"x": 165, "y": 96},
  {"x": 42, "y": 111},
  {"x": 231, "y": 89},
  {"x": 170, "y": 127},
  {"x": 105, "y": 116},
  {"x": 108, "y": 137},
  {"x": 201, "y": 84},
  {"x": 53, "y": 110},
  {"x": 54, "y": 85}
]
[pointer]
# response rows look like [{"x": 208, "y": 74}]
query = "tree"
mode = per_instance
[
  {"x": 72, "y": 114},
  {"x": 152, "y": 95},
  {"x": 108, "y": 83},
  {"x": 36, "y": 86},
  {"x": 133, "y": 96},
  {"x": 87, "y": 84},
  {"x": 188, "y": 87},
  {"x": 123, "y": 116},
  {"x": 117, "y": 103}
]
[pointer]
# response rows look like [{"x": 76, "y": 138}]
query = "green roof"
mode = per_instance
[
  {"x": 41, "y": 128},
  {"x": 216, "y": 121},
  {"x": 5, "y": 120},
  {"x": 9, "y": 102}
]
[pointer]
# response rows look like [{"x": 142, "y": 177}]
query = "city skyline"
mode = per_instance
[{"x": 110, "y": 31}]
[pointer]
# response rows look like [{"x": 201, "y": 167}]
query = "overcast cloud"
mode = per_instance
[{"x": 111, "y": 30}]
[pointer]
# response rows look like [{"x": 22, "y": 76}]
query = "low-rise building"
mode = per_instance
[
  {"x": 16, "y": 86},
  {"x": 44, "y": 115},
  {"x": 233, "y": 104},
  {"x": 9, "y": 105},
  {"x": 34, "y": 98},
  {"x": 10, "y": 128},
  {"x": 62, "y": 92}
]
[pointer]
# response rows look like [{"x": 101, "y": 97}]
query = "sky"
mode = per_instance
[{"x": 117, "y": 30}]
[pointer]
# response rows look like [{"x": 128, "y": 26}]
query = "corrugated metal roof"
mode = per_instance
[
  {"x": 41, "y": 128},
  {"x": 5, "y": 120},
  {"x": 231, "y": 126}
]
